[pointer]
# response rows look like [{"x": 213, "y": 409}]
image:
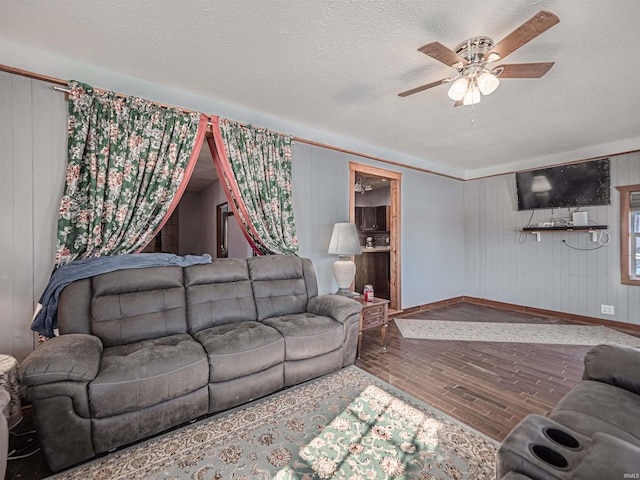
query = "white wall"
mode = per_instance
[
  {"x": 189, "y": 224},
  {"x": 208, "y": 219},
  {"x": 546, "y": 274},
  {"x": 33, "y": 150},
  {"x": 432, "y": 260}
]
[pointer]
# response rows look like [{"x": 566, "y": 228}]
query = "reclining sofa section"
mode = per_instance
[{"x": 143, "y": 350}]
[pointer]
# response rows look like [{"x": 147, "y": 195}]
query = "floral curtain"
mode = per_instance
[
  {"x": 129, "y": 161},
  {"x": 254, "y": 166}
]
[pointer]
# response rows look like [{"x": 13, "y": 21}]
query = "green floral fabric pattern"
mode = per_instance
[
  {"x": 261, "y": 165},
  {"x": 127, "y": 158},
  {"x": 377, "y": 436}
]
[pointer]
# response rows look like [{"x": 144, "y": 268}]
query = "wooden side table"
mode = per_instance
[{"x": 374, "y": 314}]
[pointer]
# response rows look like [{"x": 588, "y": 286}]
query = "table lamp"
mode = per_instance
[{"x": 344, "y": 243}]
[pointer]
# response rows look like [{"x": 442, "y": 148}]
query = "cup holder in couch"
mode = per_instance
[
  {"x": 561, "y": 438},
  {"x": 550, "y": 456}
]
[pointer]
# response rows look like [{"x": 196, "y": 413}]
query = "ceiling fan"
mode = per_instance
[{"x": 472, "y": 57}]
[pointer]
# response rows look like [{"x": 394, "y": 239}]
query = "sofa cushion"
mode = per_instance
[
  {"x": 240, "y": 348},
  {"x": 279, "y": 285},
  {"x": 138, "y": 375},
  {"x": 138, "y": 304},
  {"x": 307, "y": 335},
  {"x": 218, "y": 293},
  {"x": 592, "y": 407}
]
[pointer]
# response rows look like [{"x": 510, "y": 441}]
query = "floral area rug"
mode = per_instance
[
  {"x": 513, "y": 332},
  {"x": 346, "y": 425}
]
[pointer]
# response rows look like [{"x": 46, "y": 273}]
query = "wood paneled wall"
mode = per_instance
[
  {"x": 458, "y": 238},
  {"x": 33, "y": 143},
  {"x": 432, "y": 257},
  {"x": 505, "y": 265}
]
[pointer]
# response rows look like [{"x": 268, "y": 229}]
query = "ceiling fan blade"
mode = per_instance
[
  {"x": 423, "y": 87},
  {"x": 458, "y": 103},
  {"x": 539, "y": 23},
  {"x": 443, "y": 54},
  {"x": 523, "y": 70}
]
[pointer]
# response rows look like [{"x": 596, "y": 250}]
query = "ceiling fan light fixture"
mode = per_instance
[
  {"x": 487, "y": 83},
  {"x": 458, "y": 89},
  {"x": 471, "y": 57},
  {"x": 472, "y": 96},
  {"x": 361, "y": 187}
]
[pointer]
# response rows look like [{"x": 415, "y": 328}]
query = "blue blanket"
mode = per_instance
[{"x": 45, "y": 319}]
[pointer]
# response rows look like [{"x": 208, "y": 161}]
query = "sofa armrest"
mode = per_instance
[
  {"x": 614, "y": 364},
  {"x": 338, "y": 307},
  {"x": 73, "y": 357}
]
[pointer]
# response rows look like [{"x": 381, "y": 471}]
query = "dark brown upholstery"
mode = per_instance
[{"x": 143, "y": 350}]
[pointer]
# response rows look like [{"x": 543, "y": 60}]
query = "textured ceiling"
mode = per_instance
[{"x": 337, "y": 67}]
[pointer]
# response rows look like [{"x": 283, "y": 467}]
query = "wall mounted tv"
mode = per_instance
[{"x": 575, "y": 185}]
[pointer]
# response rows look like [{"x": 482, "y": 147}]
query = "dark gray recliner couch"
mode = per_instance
[
  {"x": 593, "y": 432},
  {"x": 143, "y": 350}
]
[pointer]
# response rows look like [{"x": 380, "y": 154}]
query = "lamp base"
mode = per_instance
[{"x": 344, "y": 270}]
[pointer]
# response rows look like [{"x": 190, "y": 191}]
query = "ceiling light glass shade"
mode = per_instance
[
  {"x": 487, "y": 83},
  {"x": 472, "y": 96},
  {"x": 458, "y": 89}
]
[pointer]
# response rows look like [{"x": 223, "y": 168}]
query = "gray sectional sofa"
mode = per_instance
[
  {"x": 593, "y": 432},
  {"x": 143, "y": 350}
]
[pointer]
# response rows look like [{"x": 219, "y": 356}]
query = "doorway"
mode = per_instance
[{"x": 378, "y": 229}]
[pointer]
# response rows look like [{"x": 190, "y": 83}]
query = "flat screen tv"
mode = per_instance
[{"x": 575, "y": 185}]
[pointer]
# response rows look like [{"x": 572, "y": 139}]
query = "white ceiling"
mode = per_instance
[{"x": 337, "y": 67}]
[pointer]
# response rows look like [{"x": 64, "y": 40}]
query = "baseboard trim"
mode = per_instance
[
  {"x": 524, "y": 309},
  {"x": 427, "y": 306}
]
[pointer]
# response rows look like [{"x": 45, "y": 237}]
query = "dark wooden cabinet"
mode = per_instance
[
  {"x": 359, "y": 219},
  {"x": 381, "y": 219},
  {"x": 373, "y": 268},
  {"x": 371, "y": 219}
]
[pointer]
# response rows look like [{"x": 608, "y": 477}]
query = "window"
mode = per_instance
[{"x": 630, "y": 234}]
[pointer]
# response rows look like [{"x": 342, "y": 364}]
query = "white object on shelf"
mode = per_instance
[{"x": 580, "y": 219}]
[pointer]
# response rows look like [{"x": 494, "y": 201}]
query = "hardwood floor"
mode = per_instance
[{"x": 488, "y": 386}]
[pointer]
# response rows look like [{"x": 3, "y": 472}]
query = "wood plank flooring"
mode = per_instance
[{"x": 488, "y": 386}]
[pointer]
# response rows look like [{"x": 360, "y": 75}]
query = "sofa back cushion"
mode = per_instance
[
  {"x": 138, "y": 304},
  {"x": 279, "y": 285},
  {"x": 218, "y": 293}
]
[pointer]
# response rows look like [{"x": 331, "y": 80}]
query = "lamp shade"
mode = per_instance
[
  {"x": 344, "y": 240},
  {"x": 458, "y": 88},
  {"x": 472, "y": 96},
  {"x": 487, "y": 83}
]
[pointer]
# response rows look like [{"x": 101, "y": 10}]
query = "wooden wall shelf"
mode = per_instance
[
  {"x": 565, "y": 229},
  {"x": 587, "y": 229}
]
